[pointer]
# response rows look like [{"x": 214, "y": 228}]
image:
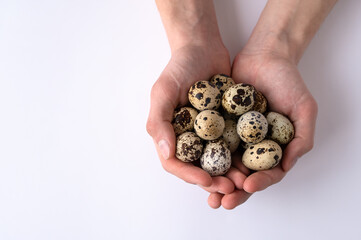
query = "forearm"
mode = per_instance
[
  {"x": 189, "y": 22},
  {"x": 286, "y": 27}
]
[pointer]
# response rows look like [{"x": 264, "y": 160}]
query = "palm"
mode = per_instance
[
  {"x": 187, "y": 65},
  {"x": 279, "y": 80}
]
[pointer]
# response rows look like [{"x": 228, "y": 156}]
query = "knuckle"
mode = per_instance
[
  {"x": 154, "y": 90},
  {"x": 314, "y": 105},
  {"x": 150, "y": 127},
  {"x": 165, "y": 166},
  {"x": 310, "y": 145}
]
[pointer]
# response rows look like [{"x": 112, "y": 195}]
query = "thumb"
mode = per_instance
[{"x": 159, "y": 121}]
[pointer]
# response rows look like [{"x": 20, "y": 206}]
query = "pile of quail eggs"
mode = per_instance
[{"x": 225, "y": 117}]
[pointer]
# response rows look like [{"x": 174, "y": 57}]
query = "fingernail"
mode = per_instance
[
  {"x": 221, "y": 192},
  {"x": 164, "y": 148}
]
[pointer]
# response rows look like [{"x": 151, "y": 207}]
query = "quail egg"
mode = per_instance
[
  {"x": 222, "y": 82},
  {"x": 252, "y": 127},
  {"x": 204, "y": 95},
  {"x": 183, "y": 119},
  {"x": 216, "y": 159},
  {"x": 280, "y": 128},
  {"x": 189, "y": 147},
  {"x": 262, "y": 156},
  {"x": 220, "y": 141},
  {"x": 260, "y": 103},
  {"x": 230, "y": 135},
  {"x": 245, "y": 145},
  {"x": 209, "y": 125},
  {"x": 239, "y": 98}
]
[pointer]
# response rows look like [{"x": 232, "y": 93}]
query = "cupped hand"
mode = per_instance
[
  {"x": 188, "y": 64},
  {"x": 278, "y": 78}
]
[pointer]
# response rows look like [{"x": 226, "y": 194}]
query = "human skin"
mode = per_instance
[
  {"x": 268, "y": 61},
  {"x": 197, "y": 53}
]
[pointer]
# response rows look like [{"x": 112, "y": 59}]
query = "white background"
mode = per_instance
[{"x": 77, "y": 163}]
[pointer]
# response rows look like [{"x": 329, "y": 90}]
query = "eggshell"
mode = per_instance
[
  {"x": 203, "y": 95},
  {"x": 262, "y": 156},
  {"x": 216, "y": 159},
  {"x": 183, "y": 119},
  {"x": 239, "y": 99},
  {"x": 222, "y": 82},
  {"x": 209, "y": 125},
  {"x": 252, "y": 127},
  {"x": 281, "y": 129},
  {"x": 260, "y": 103},
  {"x": 189, "y": 147},
  {"x": 230, "y": 135}
]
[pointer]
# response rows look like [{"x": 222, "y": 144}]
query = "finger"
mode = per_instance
[
  {"x": 236, "y": 198},
  {"x": 187, "y": 172},
  {"x": 160, "y": 116},
  {"x": 261, "y": 180},
  {"x": 163, "y": 101},
  {"x": 304, "y": 120},
  {"x": 220, "y": 184},
  {"x": 237, "y": 163},
  {"x": 214, "y": 200},
  {"x": 237, "y": 177}
]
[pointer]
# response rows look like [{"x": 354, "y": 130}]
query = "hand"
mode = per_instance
[
  {"x": 279, "y": 80},
  {"x": 188, "y": 64}
]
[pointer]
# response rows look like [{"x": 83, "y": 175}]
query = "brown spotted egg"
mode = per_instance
[
  {"x": 252, "y": 127},
  {"x": 183, "y": 119},
  {"x": 189, "y": 147},
  {"x": 262, "y": 156},
  {"x": 204, "y": 95},
  {"x": 220, "y": 141},
  {"x": 239, "y": 99},
  {"x": 230, "y": 135},
  {"x": 222, "y": 82},
  {"x": 245, "y": 145},
  {"x": 216, "y": 159},
  {"x": 209, "y": 125},
  {"x": 280, "y": 128},
  {"x": 260, "y": 103}
]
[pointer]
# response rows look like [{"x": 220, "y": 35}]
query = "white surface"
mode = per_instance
[{"x": 75, "y": 159}]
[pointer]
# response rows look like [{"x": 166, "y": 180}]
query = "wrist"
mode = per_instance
[
  {"x": 213, "y": 46},
  {"x": 189, "y": 22},
  {"x": 198, "y": 37},
  {"x": 286, "y": 27},
  {"x": 278, "y": 43}
]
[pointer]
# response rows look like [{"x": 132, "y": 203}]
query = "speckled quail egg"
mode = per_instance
[
  {"x": 222, "y": 82},
  {"x": 260, "y": 103},
  {"x": 183, "y": 119},
  {"x": 227, "y": 115},
  {"x": 252, "y": 127},
  {"x": 216, "y": 159},
  {"x": 280, "y": 128},
  {"x": 262, "y": 156},
  {"x": 220, "y": 141},
  {"x": 209, "y": 125},
  {"x": 204, "y": 95},
  {"x": 230, "y": 135},
  {"x": 239, "y": 99},
  {"x": 245, "y": 145},
  {"x": 189, "y": 147}
]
